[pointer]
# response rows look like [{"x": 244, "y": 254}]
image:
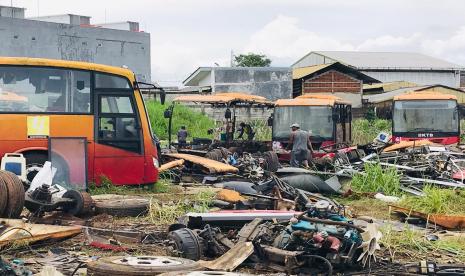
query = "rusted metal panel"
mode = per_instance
[
  {"x": 447, "y": 221},
  {"x": 407, "y": 144}
]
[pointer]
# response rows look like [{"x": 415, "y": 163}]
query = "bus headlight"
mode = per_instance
[{"x": 156, "y": 164}]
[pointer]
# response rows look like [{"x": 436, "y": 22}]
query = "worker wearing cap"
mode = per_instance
[{"x": 299, "y": 143}]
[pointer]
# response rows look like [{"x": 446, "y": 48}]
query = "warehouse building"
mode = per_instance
[
  {"x": 332, "y": 79},
  {"x": 392, "y": 66},
  {"x": 73, "y": 37}
]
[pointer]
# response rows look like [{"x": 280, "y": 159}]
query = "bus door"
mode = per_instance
[{"x": 119, "y": 153}]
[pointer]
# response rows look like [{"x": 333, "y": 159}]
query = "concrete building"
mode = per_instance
[
  {"x": 333, "y": 79},
  {"x": 72, "y": 37},
  {"x": 392, "y": 66},
  {"x": 270, "y": 82}
]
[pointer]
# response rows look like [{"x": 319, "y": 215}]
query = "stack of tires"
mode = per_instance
[{"x": 11, "y": 195}]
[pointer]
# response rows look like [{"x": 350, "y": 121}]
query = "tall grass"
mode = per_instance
[
  {"x": 364, "y": 131},
  {"x": 377, "y": 179},
  {"x": 437, "y": 200},
  {"x": 196, "y": 123}
]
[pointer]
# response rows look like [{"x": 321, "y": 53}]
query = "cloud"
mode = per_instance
[
  {"x": 391, "y": 43},
  {"x": 452, "y": 48},
  {"x": 284, "y": 39}
]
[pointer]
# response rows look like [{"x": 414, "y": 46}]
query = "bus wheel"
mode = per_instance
[
  {"x": 34, "y": 162},
  {"x": 16, "y": 195},
  {"x": 3, "y": 196},
  {"x": 83, "y": 203},
  {"x": 271, "y": 161}
]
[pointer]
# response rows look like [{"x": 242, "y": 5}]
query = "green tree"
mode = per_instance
[{"x": 252, "y": 60}]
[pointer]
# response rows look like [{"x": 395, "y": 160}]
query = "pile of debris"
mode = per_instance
[{"x": 319, "y": 239}]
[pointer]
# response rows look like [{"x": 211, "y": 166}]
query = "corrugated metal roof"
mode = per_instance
[
  {"x": 389, "y": 86},
  {"x": 404, "y": 60},
  {"x": 299, "y": 73},
  {"x": 402, "y": 92}
]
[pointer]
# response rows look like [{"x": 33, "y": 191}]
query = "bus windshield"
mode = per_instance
[
  {"x": 44, "y": 90},
  {"x": 317, "y": 120},
  {"x": 425, "y": 115}
]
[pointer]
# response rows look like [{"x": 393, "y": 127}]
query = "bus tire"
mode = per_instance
[
  {"x": 127, "y": 265},
  {"x": 125, "y": 207},
  {"x": 3, "y": 196},
  {"x": 16, "y": 195},
  {"x": 83, "y": 203}
]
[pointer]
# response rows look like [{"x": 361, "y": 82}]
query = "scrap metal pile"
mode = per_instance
[
  {"x": 319, "y": 239},
  {"x": 417, "y": 163}
]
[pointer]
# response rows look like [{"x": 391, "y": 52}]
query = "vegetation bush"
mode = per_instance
[
  {"x": 196, "y": 123},
  {"x": 377, "y": 179},
  {"x": 364, "y": 131},
  {"x": 437, "y": 200}
]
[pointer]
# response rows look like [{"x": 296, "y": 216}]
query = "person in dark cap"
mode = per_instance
[{"x": 299, "y": 143}]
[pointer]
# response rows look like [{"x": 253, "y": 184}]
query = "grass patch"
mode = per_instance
[
  {"x": 437, "y": 200},
  {"x": 377, "y": 179},
  {"x": 365, "y": 206},
  {"x": 165, "y": 213},
  {"x": 410, "y": 244},
  {"x": 196, "y": 123},
  {"x": 364, "y": 131},
  {"x": 107, "y": 187}
]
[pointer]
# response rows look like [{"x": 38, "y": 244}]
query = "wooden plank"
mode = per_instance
[{"x": 231, "y": 259}]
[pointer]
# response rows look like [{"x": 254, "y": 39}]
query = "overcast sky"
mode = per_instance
[{"x": 186, "y": 34}]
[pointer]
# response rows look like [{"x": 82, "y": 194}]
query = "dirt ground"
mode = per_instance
[{"x": 157, "y": 222}]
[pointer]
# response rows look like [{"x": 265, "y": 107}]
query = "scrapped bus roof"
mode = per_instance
[
  {"x": 319, "y": 96},
  {"x": 224, "y": 98},
  {"x": 305, "y": 102},
  {"x": 67, "y": 64},
  {"x": 424, "y": 96}
]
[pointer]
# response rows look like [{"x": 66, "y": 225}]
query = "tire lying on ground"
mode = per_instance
[
  {"x": 15, "y": 194},
  {"x": 271, "y": 161},
  {"x": 141, "y": 265},
  {"x": 3, "y": 196},
  {"x": 123, "y": 207}
]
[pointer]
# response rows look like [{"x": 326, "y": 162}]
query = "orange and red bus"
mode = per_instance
[
  {"x": 426, "y": 115},
  {"x": 42, "y": 98}
]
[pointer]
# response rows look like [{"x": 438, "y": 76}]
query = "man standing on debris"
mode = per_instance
[
  {"x": 247, "y": 129},
  {"x": 299, "y": 140},
  {"x": 182, "y": 136}
]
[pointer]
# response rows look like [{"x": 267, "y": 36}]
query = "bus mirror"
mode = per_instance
[
  {"x": 167, "y": 114},
  {"x": 162, "y": 97},
  {"x": 336, "y": 118},
  {"x": 227, "y": 114},
  {"x": 270, "y": 120},
  {"x": 80, "y": 85}
]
